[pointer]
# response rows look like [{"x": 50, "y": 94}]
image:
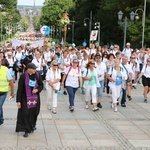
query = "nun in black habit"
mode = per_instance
[{"x": 28, "y": 100}]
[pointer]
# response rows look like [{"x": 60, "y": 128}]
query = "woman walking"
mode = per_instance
[
  {"x": 115, "y": 76},
  {"x": 73, "y": 81},
  {"x": 145, "y": 74},
  {"x": 52, "y": 85},
  {"x": 91, "y": 83}
]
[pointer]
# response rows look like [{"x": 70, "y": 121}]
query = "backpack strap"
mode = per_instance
[
  {"x": 69, "y": 69},
  {"x": 87, "y": 72}
]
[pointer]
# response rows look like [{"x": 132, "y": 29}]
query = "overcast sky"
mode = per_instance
[{"x": 31, "y": 2}]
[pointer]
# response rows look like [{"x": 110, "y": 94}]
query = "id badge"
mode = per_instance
[{"x": 32, "y": 83}]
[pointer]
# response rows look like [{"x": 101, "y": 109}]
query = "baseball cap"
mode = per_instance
[
  {"x": 128, "y": 44},
  {"x": 97, "y": 54},
  {"x": 31, "y": 66}
]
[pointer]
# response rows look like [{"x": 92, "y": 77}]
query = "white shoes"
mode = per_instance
[
  {"x": 95, "y": 109},
  {"x": 112, "y": 105},
  {"x": 115, "y": 109},
  {"x": 54, "y": 111},
  {"x": 48, "y": 107},
  {"x": 86, "y": 107}
]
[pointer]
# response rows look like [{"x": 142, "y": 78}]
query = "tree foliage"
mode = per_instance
[
  {"x": 25, "y": 23},
  {"x": 9, "y": 14},
  {"x": 36, "y": 22},
  {"x": 103, "y": 11},
  {"x": 53, "y": 10}
]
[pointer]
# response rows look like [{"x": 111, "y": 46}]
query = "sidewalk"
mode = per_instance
[{"x": 83, "y": 129}]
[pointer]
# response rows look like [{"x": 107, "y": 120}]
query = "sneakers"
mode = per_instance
[
  {"x": 86, "y": 107},
  {"x": 48, "y": 107},
  {"x": 95, "y": 109},
  {"x": 99, "y": 105},
  {"x": 26, "y": 134},
  {"x": 145, "y": 100},
  {"x": 71, "y": 108},
  {"x": 65, "y": 93},
  {"x": 112, "y": 105},
  {"x": 115, "y": 109},
  {"x": 83, "y": 92},
  {"x": 54, "y": 111},
  {"x": 129, "y": 97},
  {"x": 1, "y": 124},
  {"x": 123, "y": 105},
  {"x": 134, "y": 87}
]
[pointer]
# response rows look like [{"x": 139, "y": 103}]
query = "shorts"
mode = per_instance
[
  {"x": 100, "y": 89},
  {"x": 145, "y": 81}
]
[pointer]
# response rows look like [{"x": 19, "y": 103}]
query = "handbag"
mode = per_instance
[{"x": 59, "y": 93}]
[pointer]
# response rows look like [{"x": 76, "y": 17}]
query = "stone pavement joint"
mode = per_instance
[{"x": 127, "y": 129}]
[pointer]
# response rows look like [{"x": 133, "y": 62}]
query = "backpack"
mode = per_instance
[{"x": 71, "y": 68}]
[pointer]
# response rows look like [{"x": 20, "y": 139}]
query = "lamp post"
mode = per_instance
[
  {"x": 90, "y": 25},
  {"x": 97, "y": 26},
  {"x": 143, "y": 20},
  {"x": 72, "y": 29},
  {"x": 125, "y": 23}
]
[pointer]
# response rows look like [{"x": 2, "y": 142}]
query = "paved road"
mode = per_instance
[{"x": 127, "y": 129}]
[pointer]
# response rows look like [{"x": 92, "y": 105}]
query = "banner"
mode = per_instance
[
  {"x": 34, "y": 44},
  {"x": 93, "y": 35}
]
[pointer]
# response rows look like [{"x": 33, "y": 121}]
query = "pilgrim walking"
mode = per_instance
[{"x": 28, "y": 100}]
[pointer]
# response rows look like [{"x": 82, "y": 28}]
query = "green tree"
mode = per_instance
[
  {"x": 53, "y": 10},
  {"x": 36, "y": 22},
  {"x": 9, "y": 15},
  {"x": 25, "y": 22}
]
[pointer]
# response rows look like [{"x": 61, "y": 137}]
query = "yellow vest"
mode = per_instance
[{"x": 4, "y": 84}]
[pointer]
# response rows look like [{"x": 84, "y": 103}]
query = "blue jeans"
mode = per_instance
[
  {"x": 124, "y": 95},
  {"x": 71, "y": 91},
  {"x": 2, "y": 99}
]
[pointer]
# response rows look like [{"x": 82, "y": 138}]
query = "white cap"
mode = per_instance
[
  {"x": 128, "y": 44},
  {"x": 9, "y": 53}
]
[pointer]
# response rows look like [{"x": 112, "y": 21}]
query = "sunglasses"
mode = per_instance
[
  {"x": 75, "y": 62},
  {"x": 132, "y": 57},
  {"x": 55, "y": 65},
  {"x": 148, "y": 61},
  {"x": 92, "y": 63}
]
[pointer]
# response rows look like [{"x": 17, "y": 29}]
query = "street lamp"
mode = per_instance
[
  {"x": 125, "y": 23},
  {"x": 90, "y": 25},
  {"x": 143, "y": 20},
  {"x": 72, "y": 28},
  {"x": 97, "y": 26}
]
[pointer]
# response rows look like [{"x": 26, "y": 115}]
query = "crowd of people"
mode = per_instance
[{"x": 94, "y": 70}]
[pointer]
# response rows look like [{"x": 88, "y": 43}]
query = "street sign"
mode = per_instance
[
  {"x": 45, "y": 30},
  {"x": 84, "y": 44},
  {"x": 93, "y": 35}
]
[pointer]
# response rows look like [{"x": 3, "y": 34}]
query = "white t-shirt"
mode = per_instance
[
  {"x": 72, "y": 78},
  {"x": 135, "y": 68},
  {"x": 112, "y": 71},
  {"x": 146, "y": 71},
  {"x": 129, "y": 70},
  {"x": 50, "y": 75},
  {"x": 38, "y": 63},
  {"x": 93, "y": 50},
  {"x": 145, "y": 58},
  {"x": 127, "y": 52},
  {"x": 101, "y": 70},
  {"x": 83, "y": 64}
]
